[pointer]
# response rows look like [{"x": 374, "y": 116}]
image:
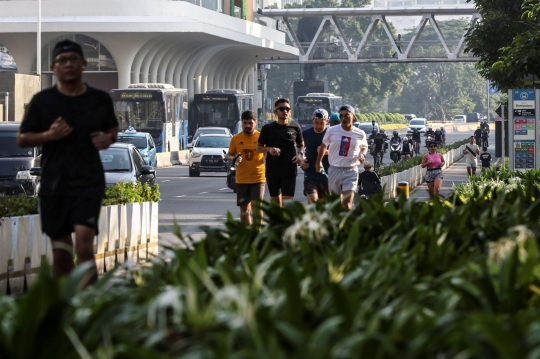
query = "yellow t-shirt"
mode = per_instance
[{"x": 251, "y": 169}]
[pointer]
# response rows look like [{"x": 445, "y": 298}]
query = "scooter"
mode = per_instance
[
  {"x": 429, "y": 139},
  {"x": 395, "y": 150},
  {"x": 231, "y": 171}
]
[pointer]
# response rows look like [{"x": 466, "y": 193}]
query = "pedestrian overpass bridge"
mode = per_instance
[{"x": 323, "y": 40}]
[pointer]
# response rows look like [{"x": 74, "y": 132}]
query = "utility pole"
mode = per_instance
[{"x": 38, "y": 57}]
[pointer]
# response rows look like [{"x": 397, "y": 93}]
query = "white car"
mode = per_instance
[
  {"x": 208, "y": 130},
  {"x": 460, "y": 118},
  {"x": 419, "y": 123},
  {"x": 207, "y": 154}
]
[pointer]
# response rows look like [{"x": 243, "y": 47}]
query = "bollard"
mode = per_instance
[{"x": 403, "y": 187}]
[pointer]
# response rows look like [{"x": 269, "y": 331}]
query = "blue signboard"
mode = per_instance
[
  {"x": 524, "y": 95},
  {"x": 492, "y": 89}
]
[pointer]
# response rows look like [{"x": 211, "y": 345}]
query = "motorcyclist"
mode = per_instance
[
  {"x": 430, "y": 132},
  {"x": 416, "y": 140},
  {"x": 485, "y": 135},
  {"x": 378, "y": 145},
  {"x": 485, "y": 126},
  {"x": 438, "y": 136},
  {"x": 406, "y": 149},
  {"x": 478, "y": 135},
  {"x": 443, "y": 131},
  {"x": 395, "y": 137}
]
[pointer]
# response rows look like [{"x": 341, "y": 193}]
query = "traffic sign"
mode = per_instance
[
  {"x": 498, "y": 111},
  {"x": 492, "y": 89}
]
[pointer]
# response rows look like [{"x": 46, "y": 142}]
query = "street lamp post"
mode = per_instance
[{"x": 38, "y": 56}]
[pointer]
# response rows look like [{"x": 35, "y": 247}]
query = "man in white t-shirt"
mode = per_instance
[
  {"x": 471, "y": 151},
  {"x": 347, "y": 147}
]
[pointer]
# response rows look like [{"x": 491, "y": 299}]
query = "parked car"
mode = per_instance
[
  {"x": 209, "y": 130},
  {"x": 122, "y": 162},
  {"x": 144, "y": 143},
  {"x": 419, "y": 123},
  {"x": 460, "y": 118},
  {"x": 207, "y": 154},
  {"x": 17, "y": 164}
]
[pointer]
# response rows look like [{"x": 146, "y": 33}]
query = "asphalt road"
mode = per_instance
[{"x": 192, "y": 202}]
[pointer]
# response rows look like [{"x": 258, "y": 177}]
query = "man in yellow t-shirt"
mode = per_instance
[{"x": 250, "y": 172}]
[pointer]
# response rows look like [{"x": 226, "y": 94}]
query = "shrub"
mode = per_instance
[
  {"x": 131, "y": 192},
  {"x": 12, "y": 206}
]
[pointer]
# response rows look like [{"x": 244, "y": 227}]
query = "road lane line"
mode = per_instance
[
  {"x": 203, "y": 192},
  {"x": 166, "y": 181},
  {"x": 180, "y": 196},
  {"x": 224, "y": 188}
]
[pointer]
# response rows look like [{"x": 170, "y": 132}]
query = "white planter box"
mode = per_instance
[{"x": 23, "y": 246}]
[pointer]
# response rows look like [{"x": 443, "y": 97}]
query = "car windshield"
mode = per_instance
[
  {"x": 115, "y": 160},
  {"x": 208, "y": 132},
  {"x": 367, "y": 128},
  {"x": 416, "y": 123},
  {"x": 213, "y": 142},
  {"x": 139, "y": 142},
  {"x": 10, "y": 148}
]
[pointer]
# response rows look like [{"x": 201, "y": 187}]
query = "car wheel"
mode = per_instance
[{"x": 193, "y": 173}]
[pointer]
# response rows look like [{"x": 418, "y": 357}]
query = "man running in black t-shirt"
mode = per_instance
[
  {"x": 284, "y": 144},
  {"x": 485, "y": 157},
  {"x": 72, "y": 122},
  {"x": 315, "y": 183}
]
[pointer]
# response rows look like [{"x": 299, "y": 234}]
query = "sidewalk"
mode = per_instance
[{"x": 453, "y": 175}]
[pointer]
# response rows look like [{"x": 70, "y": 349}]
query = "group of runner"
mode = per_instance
[{"x": 329, "y": 157}]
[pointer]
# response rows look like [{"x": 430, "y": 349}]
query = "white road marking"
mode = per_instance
[
  {"x": 180, "y": 196},
  {"x": 166, "y": 181},
  {"x": 223, "y": 189},
  {"x": 203, "y": 192}
]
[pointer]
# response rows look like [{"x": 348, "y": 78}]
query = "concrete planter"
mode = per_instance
[
  {"x": 126, "y": 232},
  {"x": 415, "y": 175}
]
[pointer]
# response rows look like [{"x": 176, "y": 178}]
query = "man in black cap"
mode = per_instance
[{"x": 72, "y": 122}]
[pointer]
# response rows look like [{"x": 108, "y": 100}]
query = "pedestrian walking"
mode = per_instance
[
  {"x": 369, "y": 183},
  {"x": 471, "y": 151},
  {"x": 284, "y": 144},
  {"x": 434, "y": 162},
  {"x": 72, "y": 121},
  {"x": 315, "y": 183},
  {"x": 347, "y": 147},
  {"x": 250, "y": 172},
  {"x": 485, "y": 158}
]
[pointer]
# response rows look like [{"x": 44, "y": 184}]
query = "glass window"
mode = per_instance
[
  {"x": 139, "y": 142},
  {"x": 115, "y": 160},
  {"x": 144, "y": 116},
  {"x": 139, "y": 162},
  {"x": 219, "y": 114},
  {"x": 417, "y": 123},
  {"x": 213, "y": 142},
  {"x": 10, "y": 148},
  {"x": 305, "y": 109}
]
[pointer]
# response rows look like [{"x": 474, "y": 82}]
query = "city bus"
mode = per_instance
[
  {"x": 306, "y": 105},
  {"x": 219, "y": 108},
  {"x": 159, "y": 109}
]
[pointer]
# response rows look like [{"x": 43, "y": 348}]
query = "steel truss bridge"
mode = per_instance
[{"x": 366, "y": 49}]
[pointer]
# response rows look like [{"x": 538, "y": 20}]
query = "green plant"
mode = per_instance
[
  {"x": 131, "y": 192},
  {"x": 11, "y": 206}
]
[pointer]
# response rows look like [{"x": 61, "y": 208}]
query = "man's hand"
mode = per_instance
[
  {"x": 101, "y": 140},
  {"x": 274, "y": 151},
  {"x": 59, "y": 129},
  {"x": 298, "y": 159},
  {"x": 304, "y": 164},
  {"x": 318, "y": 167},
  {"x": 239, "y": 158}
]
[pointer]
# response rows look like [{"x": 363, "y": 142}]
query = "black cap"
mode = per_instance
[{"x": 67, "y": 46}]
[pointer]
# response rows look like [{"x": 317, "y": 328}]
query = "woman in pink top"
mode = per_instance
[{"x": 434, "y": 175}]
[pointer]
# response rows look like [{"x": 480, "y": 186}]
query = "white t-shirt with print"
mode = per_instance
[
  {"x": 468, "y": 155},
  {"x": 344, "y": 146}
]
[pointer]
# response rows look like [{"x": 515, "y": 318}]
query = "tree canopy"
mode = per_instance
[{"x": 507, "y": 41}]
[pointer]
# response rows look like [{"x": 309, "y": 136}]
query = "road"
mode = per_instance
[{"x": 192, "y": 202}]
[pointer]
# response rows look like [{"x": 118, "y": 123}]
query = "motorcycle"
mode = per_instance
[
  {"x": 231, "y": 171},
  {"x": 395, "y": 150},
  {"x": 429, "y": 139}
]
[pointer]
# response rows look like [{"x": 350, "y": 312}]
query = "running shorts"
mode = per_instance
[
  {"x": 245, "y": 193},
  {"x": 285, "y": 186},
  {"x": 341, "y": 179}
]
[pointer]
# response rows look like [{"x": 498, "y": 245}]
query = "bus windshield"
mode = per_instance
[
  {"x": 306, "y": 107},
  {"x": 143, "y": 115},
  {"x": 217, "y": 114}
]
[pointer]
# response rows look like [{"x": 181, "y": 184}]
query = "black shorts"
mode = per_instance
[
  {"x": 285, "y": 186},
  {"x": 59, "y": 214},
  {"x": 319, "y": 187},
  {"x": 245, "y": 193}
]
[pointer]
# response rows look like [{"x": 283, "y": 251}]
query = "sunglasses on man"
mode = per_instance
[{"x": 284, "y": 109}]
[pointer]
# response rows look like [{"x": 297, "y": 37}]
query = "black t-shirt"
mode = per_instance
[
  {"x": 312, "y": 140},
  {"x": 71, "y": 166},
  {"x": 284, "y": 137},
  {"x": 379, "y": 143},
  {"x": 486, "y": 159},
  {"x": 416, "y": 136}
]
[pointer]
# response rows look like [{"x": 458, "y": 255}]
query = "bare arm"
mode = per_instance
[
  {"x": 320, "y": 155},
  {"x": 299, "y": 157},
  {"x": 58, "y": 130},
  {"x": 274, "y": 151},
  {"x": 425, "y": 162}
]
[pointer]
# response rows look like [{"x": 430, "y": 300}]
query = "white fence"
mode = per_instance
[
  {"x": 126, "y": 232},
  {"x": 415, "y": 175}
]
